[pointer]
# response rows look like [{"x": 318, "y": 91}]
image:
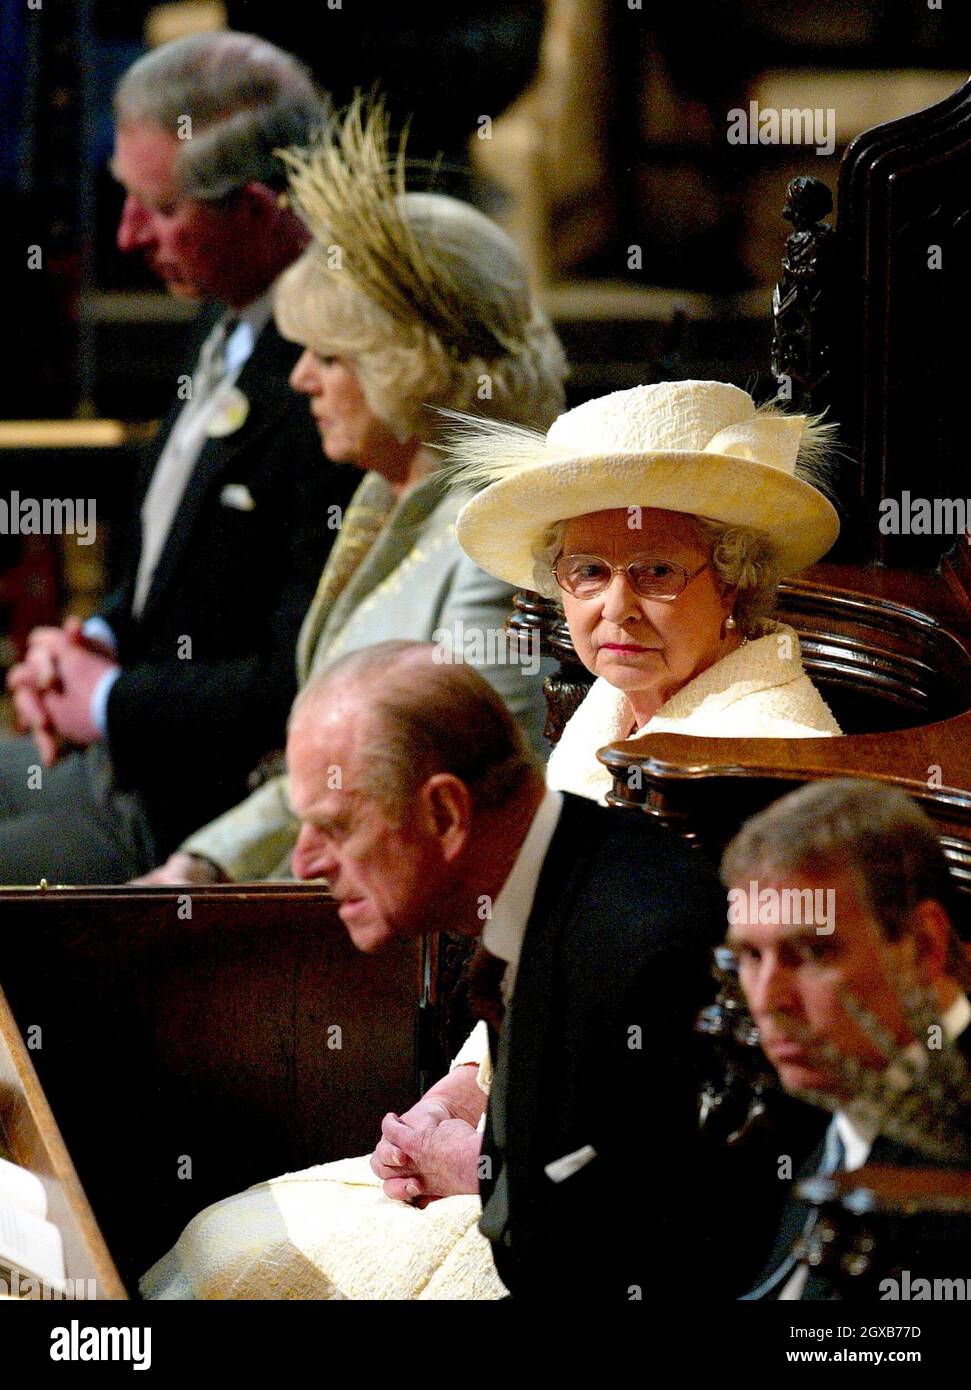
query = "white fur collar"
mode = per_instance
[{"x": 768, "y": 663}]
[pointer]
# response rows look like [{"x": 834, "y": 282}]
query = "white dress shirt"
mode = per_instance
[
  {"x": 506, "y": 927},
  {"x": 220, "y": 361}
]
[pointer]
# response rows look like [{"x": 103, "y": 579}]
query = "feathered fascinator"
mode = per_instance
[
  {"x": 351, "y": 193},
  {"x": 700, "y": 447}
]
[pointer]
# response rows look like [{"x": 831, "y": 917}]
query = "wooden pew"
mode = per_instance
[{"x": 186, "y": 1057}]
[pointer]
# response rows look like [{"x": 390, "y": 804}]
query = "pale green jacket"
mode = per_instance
[{"x": 396, "y": 571}]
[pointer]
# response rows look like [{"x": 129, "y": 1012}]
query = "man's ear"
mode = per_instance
[
  {"x": 445, "y": 804},
  {"x": 259, "y": 202},
  {"x": 930, "y": 929}
]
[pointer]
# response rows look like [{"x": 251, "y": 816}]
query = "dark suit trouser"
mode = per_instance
[{"x": 67, "y": 823}]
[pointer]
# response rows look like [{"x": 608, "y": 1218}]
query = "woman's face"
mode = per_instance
[
  {"x": 349, "y": 429},
  {"x": 647, "y": 648}
]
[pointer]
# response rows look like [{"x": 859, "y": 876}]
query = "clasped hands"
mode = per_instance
[
  {"x": 432, "y": 1150},
  {"x": 53, "y": 685}
]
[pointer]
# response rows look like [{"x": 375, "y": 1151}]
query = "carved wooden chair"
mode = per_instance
[{"x": 864, "y": 320}]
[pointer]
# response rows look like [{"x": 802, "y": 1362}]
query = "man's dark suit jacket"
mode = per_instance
[
  {"x": 615, "y": 965},
  {"x": 184, "y": 731},
  {"x": 930, "y": 1247}
]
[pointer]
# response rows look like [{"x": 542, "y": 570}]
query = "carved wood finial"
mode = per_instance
[
  {"x": 569, "y": 683},
  {"x": 802, "y": 299}
]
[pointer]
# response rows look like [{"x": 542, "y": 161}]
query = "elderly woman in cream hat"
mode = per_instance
[{"x": 663, "y": 518}]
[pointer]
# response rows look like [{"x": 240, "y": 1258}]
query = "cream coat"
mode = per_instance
[{"x": 758, "y": 691}]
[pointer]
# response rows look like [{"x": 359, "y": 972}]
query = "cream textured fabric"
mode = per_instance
[
  {"x": 760, "y": 690},
  {"x": 328, "y": 1233},
  {"x": 699, "y": 447}
]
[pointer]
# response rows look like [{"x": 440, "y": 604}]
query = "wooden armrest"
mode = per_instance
[{"x": 706, "y": 787}]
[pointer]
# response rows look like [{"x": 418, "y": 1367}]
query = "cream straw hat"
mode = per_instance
[{"x": 700, "y": 447}]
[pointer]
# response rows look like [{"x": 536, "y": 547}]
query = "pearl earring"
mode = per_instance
[{"x": 729, "y": 623}]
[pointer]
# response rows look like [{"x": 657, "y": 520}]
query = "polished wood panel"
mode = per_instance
[
  {"x": 205, "y": 1045},
  {"x": 888, "y": 649},
  {"x": 905, "y": 189},
  {"x": 706, "y": 787}
]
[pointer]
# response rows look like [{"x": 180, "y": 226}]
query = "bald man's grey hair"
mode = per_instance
[
  {"x": 232, "y": 99},
  {"x": 424, "y": 718}
]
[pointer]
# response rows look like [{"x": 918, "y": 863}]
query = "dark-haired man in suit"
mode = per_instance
[
  {"x": 148, "y": 717},
  {"x": 841, "y": 908}
]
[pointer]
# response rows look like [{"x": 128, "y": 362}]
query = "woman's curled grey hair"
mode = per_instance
[{"x": 743, "y": 559}]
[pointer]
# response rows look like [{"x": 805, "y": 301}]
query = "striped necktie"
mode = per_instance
[
  {"x": 834, "y": 1156},
  {"x": 211, "y": 367}
]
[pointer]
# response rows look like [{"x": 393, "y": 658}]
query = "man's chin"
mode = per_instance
[
  {"x": 801, "y": 1079},
  {"x": 365, "y": 936},
  {"x": 367, "y": 942},
  {"x": 177, "y": 288}
]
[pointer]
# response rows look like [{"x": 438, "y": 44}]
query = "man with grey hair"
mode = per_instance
[
  {"x": 147, "y": 718},
  {"x": 421, "y": 808},
  {"x": 841, "y": 913}
]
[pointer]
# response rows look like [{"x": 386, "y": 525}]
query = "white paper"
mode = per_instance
[
  {"x": 22, "y": 1188},
  {"x": 31, "y": 1245}
]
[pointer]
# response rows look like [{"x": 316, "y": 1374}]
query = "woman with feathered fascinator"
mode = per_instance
[
  {"x": 404, "y": 303},
  {"x": 425, "y": 295}
]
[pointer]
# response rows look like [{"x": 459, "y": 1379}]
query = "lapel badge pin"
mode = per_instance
[{"x": 230, "y": 414}]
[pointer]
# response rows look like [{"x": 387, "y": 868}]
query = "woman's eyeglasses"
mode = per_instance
[{"x": 586, "y": 576}]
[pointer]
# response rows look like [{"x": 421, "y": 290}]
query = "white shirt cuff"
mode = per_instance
[
  {"x": 99, "y": 700},
  {"x": 99, "y": 631}
]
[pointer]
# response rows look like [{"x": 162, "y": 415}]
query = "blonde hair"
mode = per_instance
[{"x": 404, "y": 368}]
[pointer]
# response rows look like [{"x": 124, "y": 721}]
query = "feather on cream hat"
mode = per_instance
[{"x": 700, "y": 447}]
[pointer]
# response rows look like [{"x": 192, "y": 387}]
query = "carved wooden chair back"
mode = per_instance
[{"x": 864, "y": 320}]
